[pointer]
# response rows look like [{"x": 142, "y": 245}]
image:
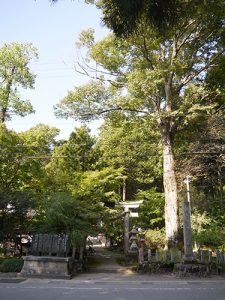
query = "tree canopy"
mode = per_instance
[
  {"x": 15, "y": 73},
  {"x": 155, "y": 77}
]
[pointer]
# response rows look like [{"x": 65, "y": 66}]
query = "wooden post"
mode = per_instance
[
  {"x": 74, "y": 252},
  {"x": 126, "y": 229},
  {"x": 124, "y": 189},
  {"x": 81, "y": 253},
  {"x": 140, "y": 255},
  {"x": 149, "y": 255}
]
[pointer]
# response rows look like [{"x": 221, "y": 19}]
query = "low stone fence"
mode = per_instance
[
  {"x": 174, "y": 255},
  {"x": 204, "y": 261}
]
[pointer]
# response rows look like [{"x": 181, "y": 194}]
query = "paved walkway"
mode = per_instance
[{"x": 106, "y": 262}]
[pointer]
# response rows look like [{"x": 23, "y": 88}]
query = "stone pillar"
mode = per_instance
[
  {"x": 149, "y": 255},
  {"x": 187, "y": 231},
  {"x": 126, "y": 229},
  {"x": 140, "y": 255}
]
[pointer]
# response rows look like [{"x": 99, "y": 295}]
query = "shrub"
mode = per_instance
[
  {"x": 151, "y": 212},
  {"x": 11, "y": 265},
  {"x": 213, "y": 237},
  {"x": 155, "y": 239}
]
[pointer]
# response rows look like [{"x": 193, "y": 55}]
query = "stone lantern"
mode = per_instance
[{"x": 133, "y": 240}]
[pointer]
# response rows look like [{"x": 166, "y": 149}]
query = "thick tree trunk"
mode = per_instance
[{"x": 170, "y": 187}]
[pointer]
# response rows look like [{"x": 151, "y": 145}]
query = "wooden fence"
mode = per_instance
[{"x": 50, "y": 245}]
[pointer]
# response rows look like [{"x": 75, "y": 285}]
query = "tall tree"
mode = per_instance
[
  {"x": 14, "y": 73},
  {"x": 155, "y": 77}
]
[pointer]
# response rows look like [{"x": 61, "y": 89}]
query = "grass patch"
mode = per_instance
[
  {"x": 121, "y": 261},
  {"x": 125, "y": 262},
  {"x": 13, "y": 264},
  {"x": 91, "y": 263}
]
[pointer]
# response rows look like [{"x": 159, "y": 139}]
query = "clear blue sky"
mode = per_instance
[{"x": 53, "y": 30}]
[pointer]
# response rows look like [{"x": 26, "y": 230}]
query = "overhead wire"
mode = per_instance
[{"x": 137, "y": 155}]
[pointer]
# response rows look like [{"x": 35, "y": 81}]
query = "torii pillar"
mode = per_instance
[{"x": 127, "y": 214}]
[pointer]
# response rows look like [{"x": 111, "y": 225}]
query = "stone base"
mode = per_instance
[
  {"x": 47, "y": 267},
  {"x": 187, "y": 269}
]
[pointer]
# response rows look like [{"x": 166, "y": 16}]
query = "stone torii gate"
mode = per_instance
[{"x": 128, "y": 206}]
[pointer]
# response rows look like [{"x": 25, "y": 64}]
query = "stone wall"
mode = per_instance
[{"x": 47, "y": 266}]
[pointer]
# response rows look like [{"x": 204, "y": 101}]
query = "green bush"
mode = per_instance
[
  {"x": 155, "y": 239},
  {"x": 212, "y": 237},
  {"x": 151, "y": 212},
  {"x": 1, "y": 259},
  {"x": 11, "y": 265}
]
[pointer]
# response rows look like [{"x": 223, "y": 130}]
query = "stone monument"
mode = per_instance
[{"x": 50, "y": 257}]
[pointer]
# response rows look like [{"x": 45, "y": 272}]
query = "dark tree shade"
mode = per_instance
[{"x": 122, "y": 16}]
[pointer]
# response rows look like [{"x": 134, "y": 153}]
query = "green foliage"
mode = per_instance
[
  {"x": 215, "y": 78},
  {"x": 11, "y": 265},
  {"x": 199, "y": 221},
  {"x": 133, "y": 145},
  {"x": 212, "y": 237},
  {"x": 216, "y": 213},
  {"x": 73, "y": 215},
  {"x": 111, "y": 53},
  {"x": 41, "y": 138},
  {"x": 79, "y": 151},
  {"x": 151, "y": 212},
  {"x": 146, "y": 62},
  {"x": 23, "y": 179},
  {"x": 81, "y": 192},
  {"x": 208, "y": 231},
  {"x": 100, "y": 185},
  {"x": 113, "y": 226},
  {"x": 70, "y": 160},
  {"x": 9, "y": 159},
  {"x": 155, "y": 239},
  {"x": 19, "y": 165},
  {"x": 93, "y": 93},
  {"x": 86, "y": 38},
  {"x": 14, "y": 72},
  {"x": 17, "y": 212},
  {"x": 204, "y": 140},
  {"x": 123, "y": 16}
]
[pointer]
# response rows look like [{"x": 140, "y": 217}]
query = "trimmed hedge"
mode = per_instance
[{"x": 11, "y": 265}]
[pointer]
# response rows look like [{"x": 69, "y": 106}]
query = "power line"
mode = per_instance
[
  {"x": 56, "y": 76},
  {"x": 137, "y": 156},
  {"x": 103, "y": 144},
  {"x": 63, "y": 62},
  {"x": 68, "y": 145}
]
